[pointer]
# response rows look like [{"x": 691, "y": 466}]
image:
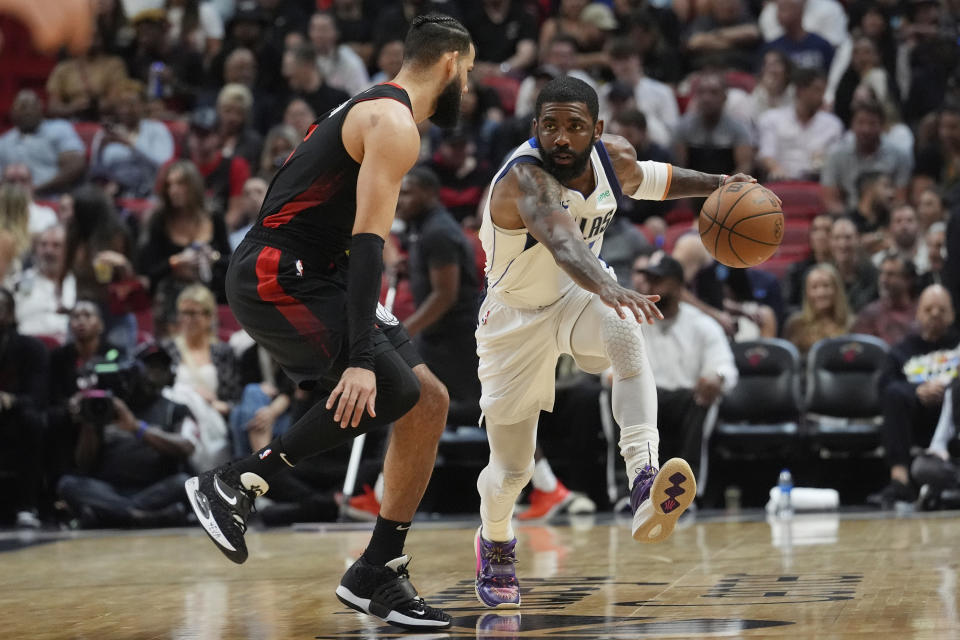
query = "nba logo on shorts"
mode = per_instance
[
  {"x": 299, "y": 268},
  {"x": 266, "y": 452},
  {"x": 485, "y": 316}
]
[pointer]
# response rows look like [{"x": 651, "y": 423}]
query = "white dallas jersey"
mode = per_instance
[{"x": 522, "y": 272}]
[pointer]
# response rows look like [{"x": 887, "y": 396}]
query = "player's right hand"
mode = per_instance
[
  {"x": 357, "y": 391},
  {"x": 642, "y": 306}
]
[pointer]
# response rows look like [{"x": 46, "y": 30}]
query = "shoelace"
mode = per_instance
[{"x": 241, "y": 514}]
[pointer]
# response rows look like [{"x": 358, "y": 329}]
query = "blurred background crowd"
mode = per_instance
[{"x": 130, "y": 172}]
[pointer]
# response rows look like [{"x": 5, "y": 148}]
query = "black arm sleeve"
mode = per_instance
[{"x": 363, "y": 291}]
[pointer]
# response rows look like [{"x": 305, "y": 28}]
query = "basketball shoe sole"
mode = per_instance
[{"x": 672, "y": 493}]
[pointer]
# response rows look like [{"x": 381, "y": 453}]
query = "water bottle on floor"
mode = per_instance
[{"x": 784, "y": 505}]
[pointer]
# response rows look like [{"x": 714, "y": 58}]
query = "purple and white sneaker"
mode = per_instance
[
  {"x": 496, "y": 585},
  {"x": 659, "y": 497}
]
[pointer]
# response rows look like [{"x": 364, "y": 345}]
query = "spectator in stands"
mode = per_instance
[
  {"x": 99, "y": 250},
  {"x": 930, "y": 209},
  {"x": 202, "y": 362},
  {"x": 867, "y": 152},
  {"x": 246, "y": 31},
  {"x": 938, "y": 468},
  {"x": 195, "y": 26},
  {"x": 622, "y": 243},
  {"x": 389, "y": 60},
  {"x": 903, "y": 236},
  {"x": 130, "y": 464},
  {"x": 463, "y": 176},
  {"x": 505, "y": 35},
  {"x": 299, "y": 115},
  {"x": 936, "y": 254},
  {"x": 806, "y": 50},
  {"x": 725, "y": 37},
  {"x": 560, "y": 55},
  {"x": 46, "y": 290},
  {"x": 355, "y": 26},
  {"x": 707, "y": 139},
  {"x": 819, "y": 252},
  {"x": 49, "y": 147},
  {"x": 566, "y": 21},
  {"x": 23, "y": 395},
  {"x": 653, "y": 98},
  {"x": 773, "y": 89},
  {"x": 241, "y": 68},
  {"x": 918, "y": 371},
  {"x": 340, "y": 66},
  {"x": 41, "y": 216},
  {"x": 235, "y": 124},
  {"x": 874, "y": 204},
  {"x": 112, "y": 26},
  {"x": 280, "y": 142},
  {"x": 890, "y": 317},
  {"x": 691, "y": 363},
  {"x": 254, "y": 191},
  {"x": 282, "y": 18},
  {"x": 929, "y": 55},
  {"x": 77, "y": 86},
  {"x": 130, "y": 148},
  {"x": 480, "y": 114},
  {"x": 181, "y": 69},
  {"x": 305, "y": 80},
  {"x": 263, "y": 412},
  {"x": 655, "y": 32},
  {"x": 632, "y": 125},
  {"x": 183, "y": 244},
  {"x": 14, "y": 233},
  {"x": 443, "y": 279},
  {"x": 941, "y": 160},
  {"x": 395, "y": 17},
  {"x": 865, "y": 67},
  {"x": 794, "y": 141},
  {"x": 826, "y": 18},
  {"x": 223, "y": 176},
  {"x": 825, "y": 312},
  {"x": 858, "y": 275}
]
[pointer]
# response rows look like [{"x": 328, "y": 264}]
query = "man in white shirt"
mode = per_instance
[
  {"x": 691, "y": 359},
  {"x": 42, "y": 299},
  {"x": 655, "y": 99},
  {"x": 41, "y": 216},
  {"x": 340, "y": 66},
  {"x": 794, "y": 140},
  {"x": 826, "y": 18}
]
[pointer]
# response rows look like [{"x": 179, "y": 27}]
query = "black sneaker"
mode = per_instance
[
  {"x": 385, "y": 592},
  {"x": 222, "y": 504},
  {"x": 893, "y": 493}
]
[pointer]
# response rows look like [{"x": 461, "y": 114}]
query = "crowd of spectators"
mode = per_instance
[{"x": 133, "y": 172}]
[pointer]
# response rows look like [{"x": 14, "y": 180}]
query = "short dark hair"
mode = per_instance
[
  {"x": 304, "y": 54},
  {"x": 623, "y": 48},
  {"x": 867, "y": 179},
  {"x": 433, "y": 35},
  {"x": 564, "y": 38},
  {"x": 569, "y": 89},
  {"x": 868, "y": 106},
  {"x": 803, "y": 77},
  {"x": 425, "y": 178},
  {"x": 907, "y": 268},
  {"x": 632, "y": 118}
]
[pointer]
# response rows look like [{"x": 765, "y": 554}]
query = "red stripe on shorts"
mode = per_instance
[{"x": 297, "y": 314}]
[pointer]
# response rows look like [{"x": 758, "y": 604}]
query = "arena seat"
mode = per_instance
[
  {"x": 761, "y": 415},
  {"x": 87, "y": 132},
  {"x": 674, "y": 232},
  {"x": 507, "y": 88},
  {"x": 843, "y": 397},
  {"x": 178, "y": 130},
  {"x": 227, "y": 324},
  {"x": 802, "y": 200}
]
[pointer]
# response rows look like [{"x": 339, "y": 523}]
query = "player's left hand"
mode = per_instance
[{"x": 357, "y": 391}]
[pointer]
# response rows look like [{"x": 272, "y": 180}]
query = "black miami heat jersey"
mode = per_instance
[{"x": 311, "y": 204}]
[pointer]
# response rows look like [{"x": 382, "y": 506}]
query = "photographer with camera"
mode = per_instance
[
  {"x": 23, "y": 391},
  {"x": 132, "y": 444}
]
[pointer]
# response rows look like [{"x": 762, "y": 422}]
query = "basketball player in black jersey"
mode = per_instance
[{"x": 304, "y": 284}]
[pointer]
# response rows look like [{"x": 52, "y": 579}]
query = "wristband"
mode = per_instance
[
  {"x": 363, "y": 291},
  {"x": 142, "y": 427},
  {"x": 723, "y": 180},
  {"x": 655, "y": 184}
]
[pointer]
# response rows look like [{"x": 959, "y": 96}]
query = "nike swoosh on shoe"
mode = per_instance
[{"x": 231, "y": 500}]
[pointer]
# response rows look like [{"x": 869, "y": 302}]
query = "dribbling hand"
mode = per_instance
[
  {"x": 642, "y": 306},
  {"x": 357, "y": 391}
]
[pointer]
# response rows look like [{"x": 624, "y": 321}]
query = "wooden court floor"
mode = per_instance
[{"x": 813, "y": 577}]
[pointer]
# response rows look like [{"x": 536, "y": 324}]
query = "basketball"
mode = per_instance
[{"x": 741, "y": 224}]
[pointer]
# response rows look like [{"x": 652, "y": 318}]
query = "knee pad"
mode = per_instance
[
  {"x": 398, "y": 388},
  {"x": 506, "y": 483},
  {"x": 624, "y": 344}
]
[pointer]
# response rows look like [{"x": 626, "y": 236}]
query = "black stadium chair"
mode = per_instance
[
  {"x": 843, "y": 397},
  {"x": 761, "y": 415}
]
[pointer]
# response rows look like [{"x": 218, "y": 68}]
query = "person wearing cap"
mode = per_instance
[{"x": 691, "y": 359}]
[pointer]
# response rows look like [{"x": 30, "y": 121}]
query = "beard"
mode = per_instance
[
  {"x": 447, "y": 113},
  {"x": 564, "y": 172}
]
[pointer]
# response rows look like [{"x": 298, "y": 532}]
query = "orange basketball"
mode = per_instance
[{"x": 741, "y": 224}]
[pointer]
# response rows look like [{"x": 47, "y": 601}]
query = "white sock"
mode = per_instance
[
  {"x": 543, "y": 477},
  {"x": 639, "y": 449},
  {"x": 378, "y": 488}
]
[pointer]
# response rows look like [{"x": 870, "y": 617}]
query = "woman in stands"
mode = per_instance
[
  {"x": 281, "y": 141},
  {"x": 826, "y": 312},
  {"x": 184, "y": 244},
  {"x": 203, "y": 363},
  {"x": 14, "y": 233}
]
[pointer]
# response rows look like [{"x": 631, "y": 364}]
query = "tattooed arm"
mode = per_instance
[
  {"x": 529, "y": 198},
  {"x": 684, "y": 183}
]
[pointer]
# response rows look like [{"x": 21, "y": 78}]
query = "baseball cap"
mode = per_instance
[
  {"x": 600, "y": 16},
  {"x": 666, "y": 267}
]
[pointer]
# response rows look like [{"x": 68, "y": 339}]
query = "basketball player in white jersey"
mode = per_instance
[{"x": 548, "y": 293}]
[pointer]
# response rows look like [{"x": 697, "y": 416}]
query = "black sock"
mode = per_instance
[
  {"x": 266, "y": 463},
  {"x": 387, "y": 540}
]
